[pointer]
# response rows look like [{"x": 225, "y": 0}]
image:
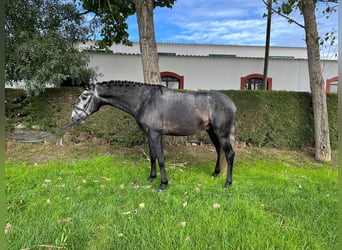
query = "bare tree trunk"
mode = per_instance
[
  {"x": 267, "y": 44},
  {"x": 321, "y": 124},
  {"x": 148, "y": 45}
]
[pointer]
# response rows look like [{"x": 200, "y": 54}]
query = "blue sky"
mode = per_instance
[{"x": 232, "y": 22}]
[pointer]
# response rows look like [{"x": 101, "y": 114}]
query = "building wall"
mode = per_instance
[
  {"x": 206, "y": 66},
  {"x": 204, "y": 72},
  {"x": 117, "y": 67}
]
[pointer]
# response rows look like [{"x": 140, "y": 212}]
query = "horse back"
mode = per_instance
[
  {"x": 178, "y": 113},
  {"x": 221, "y": 101},
  {"x": 222, "y": 111}
]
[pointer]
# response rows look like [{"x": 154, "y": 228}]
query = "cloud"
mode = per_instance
[
  {"x": 232, "y": 22},
  {"x": 222, "y": 31},
  {"x": 220, "y": 22}
]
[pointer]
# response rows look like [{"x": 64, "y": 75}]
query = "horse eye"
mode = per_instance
[{"x": 84, "y": 97}]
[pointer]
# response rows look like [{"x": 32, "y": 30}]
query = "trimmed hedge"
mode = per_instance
[
  {"x": 53, "y": 109},
  {"x": 277, "y": 119},
  {"x": 280, "y": 119}
]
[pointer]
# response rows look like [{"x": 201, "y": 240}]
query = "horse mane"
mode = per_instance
[{"x": 126, "y": 84}]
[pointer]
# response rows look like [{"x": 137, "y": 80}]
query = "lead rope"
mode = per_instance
[{"x": 49, "y": 133}]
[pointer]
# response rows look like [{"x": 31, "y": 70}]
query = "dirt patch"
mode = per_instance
[{"x": 40, "y": 153}]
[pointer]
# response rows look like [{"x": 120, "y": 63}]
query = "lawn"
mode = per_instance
[{"x": 278, "y": 200}]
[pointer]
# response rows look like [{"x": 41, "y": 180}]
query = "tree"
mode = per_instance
[
  {"x": 267, "y": 43},
  {"x": 113, "y": 14},
  {"x": 322, "y": 138},
  {"x": 41, "y": 43},
  {"x": 321, "y": 125},
  {"x": 148, "y": 45}
]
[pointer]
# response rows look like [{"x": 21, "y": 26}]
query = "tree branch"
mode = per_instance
[
  {"x": 329, "y": 1},
  {"x": 111, "y": 10},
  {"x": 283, "y": 15},
  {"x": 84, "y": 13}
]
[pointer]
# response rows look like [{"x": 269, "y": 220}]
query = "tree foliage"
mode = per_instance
[
  {"x": 41, "y": 43},
  {"x": 285, "y": 8},
  {"x": 111, "y": 18}
]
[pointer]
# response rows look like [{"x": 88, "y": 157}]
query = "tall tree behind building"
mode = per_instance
[
  {"x": 308, "y": 9},
  {"x": 112, "y": 16}
]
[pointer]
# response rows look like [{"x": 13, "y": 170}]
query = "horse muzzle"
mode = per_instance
[{"x": 77, "y": 119}]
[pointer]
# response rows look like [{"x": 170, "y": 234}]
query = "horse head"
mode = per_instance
[{"x": 86, "y": 104}]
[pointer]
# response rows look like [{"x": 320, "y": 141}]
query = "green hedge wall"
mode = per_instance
[
  {"x": 53, "y": 109},
  {"x": 277, "y": 119}
]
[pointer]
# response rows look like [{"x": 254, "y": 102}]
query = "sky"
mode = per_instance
[{"x": 230, "y": 22}]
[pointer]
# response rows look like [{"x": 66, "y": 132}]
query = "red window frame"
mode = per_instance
[
  {"x": 172, "y": 74},
  {"x": 251, "y": 76},
  {"x": 329, "y": 82}
]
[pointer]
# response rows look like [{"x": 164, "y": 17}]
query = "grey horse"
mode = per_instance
[{"x": 161, "y": 111}]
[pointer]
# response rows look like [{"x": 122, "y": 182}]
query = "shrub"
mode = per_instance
[
  {"x": 279, "y": 119},
  {"x": 273, "y": 119},
  {"x": 115, "y": 126},
  {"x": 332, "y": 101}
]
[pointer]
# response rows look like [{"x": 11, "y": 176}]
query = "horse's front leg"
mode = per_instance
[
  {"x": 216, "y": 143},
  {"x": 157, "y": 141},
  {"x": 157, "y": 153},
  {"x": 153, "y": 173}
]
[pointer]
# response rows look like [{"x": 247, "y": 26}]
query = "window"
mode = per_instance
[
  {"x": 255, "y": 82},
  {"x": 172, "y": 80},
  {"x": 332, "y": 85}
]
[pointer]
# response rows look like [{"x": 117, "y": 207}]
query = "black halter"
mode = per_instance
[{"x": 79, "y": 110}]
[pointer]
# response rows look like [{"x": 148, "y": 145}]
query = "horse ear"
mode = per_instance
[{"x": 86, "y": 86}]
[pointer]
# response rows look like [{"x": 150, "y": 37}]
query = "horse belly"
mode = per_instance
[{"x": 184, "y": 124}]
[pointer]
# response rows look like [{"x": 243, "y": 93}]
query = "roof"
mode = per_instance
[{"x": 213, "y": 50}]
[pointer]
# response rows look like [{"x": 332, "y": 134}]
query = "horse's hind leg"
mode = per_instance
[
  {"x": 216, "y": 143},
  {"x": 230, "y": 154},
  {"x": 226, "y": 140}
]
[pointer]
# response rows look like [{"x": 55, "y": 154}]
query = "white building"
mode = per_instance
[{"x": 199, "y": 66}]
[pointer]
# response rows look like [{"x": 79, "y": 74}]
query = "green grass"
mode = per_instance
[{"x": 106, "y": 203}]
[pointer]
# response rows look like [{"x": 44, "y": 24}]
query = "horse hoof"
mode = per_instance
[
  {"x": 150, "y": 179},
  {"x": 162, "y": 187},
  {"x": 227, "y": 185},
  {"x": 214, "y": 175}
]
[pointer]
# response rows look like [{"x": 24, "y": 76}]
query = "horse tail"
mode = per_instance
[{"x": 232, "y": 134}]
